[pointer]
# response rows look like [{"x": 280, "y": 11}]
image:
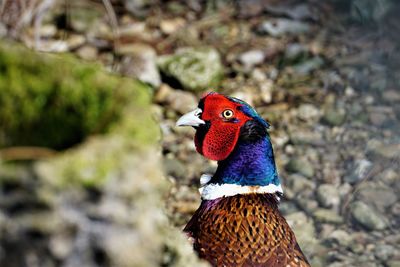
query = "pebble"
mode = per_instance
[
  {"x": 384, "y": 252},
  {"x": 87, "y": 52},
  {"x": 298, "y": 183},
  {"x": 251, "y": 58},
  {"x": 359, "y": 171},
  {"x": 194, "y": 68},
  {"x": 280, "y": 27},
  {"x": 178, "y": 100},
  {"x": 295, "y": 51},
  {"x": 327, "y": 216},
  {"x": 328, "y": 196},
  {"x": 304, "y": 229},
  {"x": 367, "y": 216},
  {"x": 308, "y": 112},
  {"x": 306, "y": 67},
  {"x": 139, "y": 61},
  {"x": 341, "y": 237},
  {"x": 75, "y": 40},
  {"x": 170, "y": 26},
  {"x": 302, "y": 166},
  {"x": 377, "y": 195},
  {"x": 334, "y": 117}
]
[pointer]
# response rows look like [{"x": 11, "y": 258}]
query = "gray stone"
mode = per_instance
[
  {"x": 386, "y": 150},
  {"x": 174, "y": 167},
  {"x": 328, "y": 216},
  {"x": 369, "y": 10},
  {"x": 367, "y": 216},
  {"x": 87, "y": 52},
  {"x": 295, "y": 51},
  {"x": 308, "y": 112},
  {"x": 306, "y": 67},
  {"x": 302, "y": 166},
  {"x": 138, "y": 8},
  {"x": 328, "y": 196},
  {"x": 304, "y": 229},
  {"x": 139, "y": 62},
  {"x": 377, "y": 195},
  {"x": 341, "y": 237},
  {"x": 384, "y": 252},
  {"x": 334, "y": 116},
  {"x": 359, "y": 171},
  {"x": 393, "y": 263},
  {"x": 178, "y": 100},
  {"x": 195, "y": 68},
  {"x": 251, "y": 58},
  {"x": 280, "y": 27},
  {"x": 307, "y": 204},
  {"x": 301, "y": 11},
  {"x": 298, "y": 183}
]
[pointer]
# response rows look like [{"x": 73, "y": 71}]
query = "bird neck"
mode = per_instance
[{"x": 249, "y": 164}]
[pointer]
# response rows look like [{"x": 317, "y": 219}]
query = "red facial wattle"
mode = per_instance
[{"x": 219, "y": 140}]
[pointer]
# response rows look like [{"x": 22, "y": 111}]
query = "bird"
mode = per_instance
[{"x": 238, "y": 222}]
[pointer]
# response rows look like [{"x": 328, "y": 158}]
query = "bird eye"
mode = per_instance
[{"x": 227, "y": 113}]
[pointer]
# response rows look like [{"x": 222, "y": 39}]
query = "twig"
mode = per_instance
[{"x": 26, "y": 153}]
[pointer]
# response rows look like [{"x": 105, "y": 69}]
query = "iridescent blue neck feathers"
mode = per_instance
[{"x": 250, "y": 163}]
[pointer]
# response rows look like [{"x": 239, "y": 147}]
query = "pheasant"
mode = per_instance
[{"x": 238, "y": 222}]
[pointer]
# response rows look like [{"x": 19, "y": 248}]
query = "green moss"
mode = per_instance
[{"x": 57, "y": 101}]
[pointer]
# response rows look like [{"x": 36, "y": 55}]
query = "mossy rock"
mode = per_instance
[
  {"x": 195, "y": 69},
  {"x": 56, "y": 100}
]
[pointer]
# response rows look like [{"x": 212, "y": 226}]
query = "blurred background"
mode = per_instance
[{"x": 93, "y": 171}]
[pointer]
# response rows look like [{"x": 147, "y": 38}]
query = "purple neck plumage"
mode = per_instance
[{"x": 250, "y": 163}]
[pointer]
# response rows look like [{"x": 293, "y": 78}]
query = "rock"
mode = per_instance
[
  {"x": 393, "y": 263},
  {"x": 305, "y": 137},
  {"x": 175, "y": 168},
  {"x": 308, "y": 112},
  {"x": 172, "y": 25},
  {"x": 100, "y": 202},
  {"x": 306, "y": 67},
  {"x": 82, "y": 18},
  {"x": 328, "y": 196},
  {"x": 304, "y": 230},
  {"x": 369, "y": 10},
  {"x": 379, "y": 149},
  {"x": 75, "y": 40},
  {"x": 384, "y": 252},
  {"x": 87, "y": 52},
  {"x": 377, "y": 195},
  {"x": 334, "y": 116},
  {"x": 297, "y": 12},
  {"x": 367, "y": 216},
  {"x": 251, "y": 58},
  {"x": 391, "y": 96},
  {"x": 62, "y": 83},
  {"x": 295, "y": 52},
  {"x": 327, "y": 216},
  {"x": 178, "y": 100},
  {"x": 139, "y": 62},
  {"x": 359, "y": 171},
  {"x": 3, "y": 30},
  {"x": 307, "y": 204},
  {"x": 138, "y": 8},
  {"x": 194, "y": 68},
  {"x": 299, "y": 183},
  {"x": 340, "y": 237},
  {"x": 280, "y": 27},
  {"x": 302, "y": 166}
]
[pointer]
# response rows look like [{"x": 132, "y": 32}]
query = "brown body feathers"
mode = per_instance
[{"x": 244, "y": 230}]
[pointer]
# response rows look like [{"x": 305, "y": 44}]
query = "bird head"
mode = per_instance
[{"x": 220, "y": 122}]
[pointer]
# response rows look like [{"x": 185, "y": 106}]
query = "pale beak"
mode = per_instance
[{"x": 191, "y": 118}]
